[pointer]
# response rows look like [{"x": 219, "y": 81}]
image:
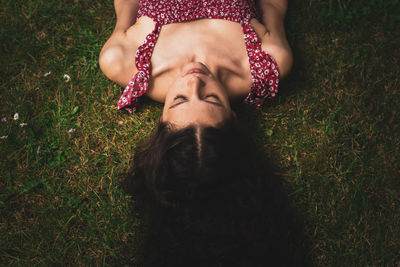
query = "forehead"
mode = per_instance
[{"x": 201, "y": 114}]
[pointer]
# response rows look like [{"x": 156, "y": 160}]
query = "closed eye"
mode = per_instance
[
  {"x": 179, "y": 99},
  {"x": 214, "y": 99}
]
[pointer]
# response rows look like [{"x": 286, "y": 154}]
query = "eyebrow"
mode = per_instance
[
  {"x": 185, "y": 98},
  {"x": 177, "y": 104}
]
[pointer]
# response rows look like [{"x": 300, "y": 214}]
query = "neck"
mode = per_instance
[{"x": 220, "y": 67}]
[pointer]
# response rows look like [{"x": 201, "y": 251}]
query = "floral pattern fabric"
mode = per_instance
[{"x": 263, "y": 67}]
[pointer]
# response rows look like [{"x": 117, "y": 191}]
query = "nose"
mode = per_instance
[{"x": 195, "y": 85}]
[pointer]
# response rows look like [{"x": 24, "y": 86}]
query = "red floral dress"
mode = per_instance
[{"x": 263, "y": 67}]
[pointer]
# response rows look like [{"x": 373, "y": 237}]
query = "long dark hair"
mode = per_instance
[{"x": 210, "y": 199}]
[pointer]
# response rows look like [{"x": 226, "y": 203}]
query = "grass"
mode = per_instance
[{"x": 333, "y": 131}]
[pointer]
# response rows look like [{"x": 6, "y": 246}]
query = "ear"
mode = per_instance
[
  {"x": 234, "y": 115},
  {"x": 234, "y": 118}
]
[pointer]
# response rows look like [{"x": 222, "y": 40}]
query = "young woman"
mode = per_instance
[
  {"x": 210, "y": 199},
  {"x": 196, "y": 56}
]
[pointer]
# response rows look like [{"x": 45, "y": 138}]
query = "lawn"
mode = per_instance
[{"x": 333, "y": 133}]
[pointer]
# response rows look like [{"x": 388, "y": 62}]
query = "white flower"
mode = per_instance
[
  {"x": 22, "y": 124},
  {"x": 4, "y": 137},
  {"x": 16, "y": 116},
  {"x": 67, "y": 78},
  {"x": 3, "y": 119},
  {"x": 47, "y": 74},
  {"x": 71, "y": 130}
]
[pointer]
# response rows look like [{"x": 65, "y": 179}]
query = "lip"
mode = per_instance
[{"x": 196, "y": 70}]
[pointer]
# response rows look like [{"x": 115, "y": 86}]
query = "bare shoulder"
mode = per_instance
[
  {"x": 117, "y": 57},
  {"x": 276, "y": 45},
  {"x": 272, "y": 33},
  {"x": 280, "y": 50}
]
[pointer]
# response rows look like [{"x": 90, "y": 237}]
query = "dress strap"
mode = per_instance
[
  {"x": 139, "y": 83},
  {"x": 263, "y": 69}
]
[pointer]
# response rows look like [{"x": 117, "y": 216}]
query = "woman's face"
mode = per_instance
[{"x": 196, "y": 97}]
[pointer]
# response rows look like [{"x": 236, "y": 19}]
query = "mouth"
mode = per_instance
[{"x": 193, "y": 71}]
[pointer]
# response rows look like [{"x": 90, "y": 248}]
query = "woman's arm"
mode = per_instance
[
  {"x": 273, "y": 12},
  {"x": 126, "y": 11},
  {"x": 274, "y": 39},
  {"x": 113, "y": 57}
]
